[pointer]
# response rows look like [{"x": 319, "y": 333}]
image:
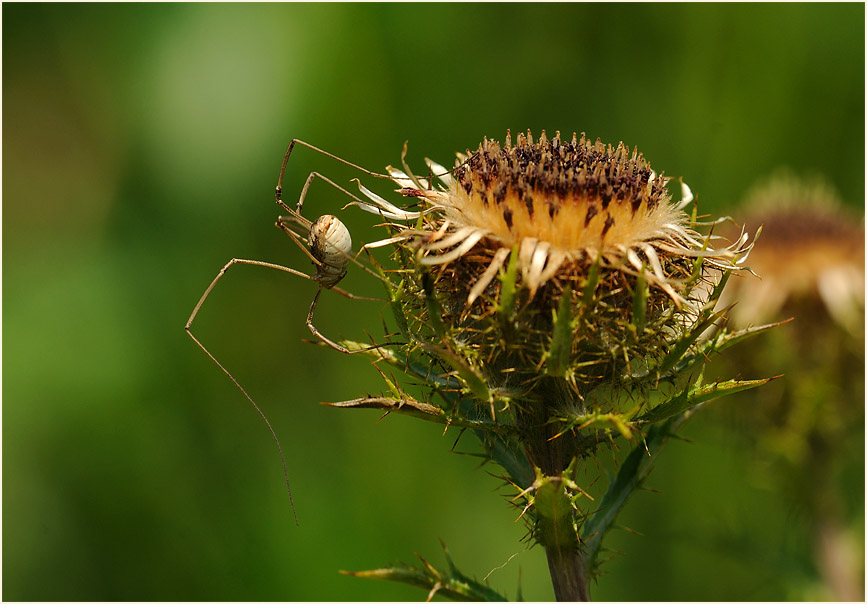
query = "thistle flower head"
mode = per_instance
[
  {"x": 559, "y": 205},
  {"x": 574, "y": 196},
  {"x": 552, "y": 260},
  {"x": 812, "y": 252}
]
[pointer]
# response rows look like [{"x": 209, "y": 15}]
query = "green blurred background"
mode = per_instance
[{"x": 141, "y": 145}]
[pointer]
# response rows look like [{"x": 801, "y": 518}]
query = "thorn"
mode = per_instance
[
  {"x": 524, "y": 511},
  {"x": 526, "y": 491},
  {"x": 428, "y": 566},
  {"x": 632, "y": 531}
]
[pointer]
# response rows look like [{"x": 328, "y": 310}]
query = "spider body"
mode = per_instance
[{"x": 331, "y": 244}]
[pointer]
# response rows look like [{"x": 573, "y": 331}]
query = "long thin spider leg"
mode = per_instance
[
  {"x": 278, "y": 195},
  {"x": 300, "y": 205},
  {"x": 351, "y": 296},
  {"x": 297, "y": 239},
  {"x": 188, "y": 329},
  {"x": 261, "y": 414},
  {"x": 315, "y": 331},
  {"x": 292, "y": 143},
  {"x": 335, "y": 345}
]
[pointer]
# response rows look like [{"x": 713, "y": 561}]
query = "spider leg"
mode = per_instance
[
  {"x": 292, "y": 143},
  {"x": 188, "y": 329},
  {"x": 351, "y": 296},
  {"x": 330, "y": 343},
  {"x": 300, "y": 205},
  {"x": 300, "y": 241}
]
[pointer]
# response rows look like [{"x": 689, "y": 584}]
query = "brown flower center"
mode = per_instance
[{"x": 573, "y": 195}]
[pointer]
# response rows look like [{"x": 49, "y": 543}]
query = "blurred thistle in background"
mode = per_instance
[
  {"x": 811, "y": 258},
  {"x": 806, "y": 428}
]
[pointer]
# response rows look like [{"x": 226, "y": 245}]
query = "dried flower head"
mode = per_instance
[
  {"x": 557, "y": 204},
  {"x": 601, "y": 248},
  {"x": 812, "y": 252}
]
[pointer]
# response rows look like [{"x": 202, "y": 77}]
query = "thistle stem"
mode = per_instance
[
  {"x": 556, "y": 533},
  {"x": 568, "y": 574},
  {"x": 552, "y": 455}
]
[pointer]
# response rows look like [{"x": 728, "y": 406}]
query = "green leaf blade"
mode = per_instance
[{"x": 696, "y": 396}]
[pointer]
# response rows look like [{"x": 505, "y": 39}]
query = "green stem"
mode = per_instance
[
  {"x": 553, "y": 456},
  {"x": 568, "y": 574},
  {"x": 834, "y": 552},
  {"x": 556, "y": 533}
]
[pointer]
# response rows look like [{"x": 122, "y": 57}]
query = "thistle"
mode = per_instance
[
  {"x": 812, "y": 255},
  {"x": 806, "y": 428},
  {"x": 550, "y": 295}
]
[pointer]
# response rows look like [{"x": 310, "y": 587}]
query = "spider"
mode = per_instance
[{"x": 328, "y": 244}]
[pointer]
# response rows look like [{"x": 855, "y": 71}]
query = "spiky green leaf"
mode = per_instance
[
  {"x": 695, "y": 396},
  {"x": 632, "y": 473},
  {"x": 681, "y": 347},
  {"x": 398, "y": 359},
  {"x": 474, "y": 383},
  {"x": 508, "y": 286},
  {"x": 592, "y": 280},
  {"x": 434, "y": 310},
  {"x": 409, "y": 406},
  {"x": 560, "y": 353},
  {"x": 500, "y": 448},
  {"x": 451, "y": 584},
  {"x": 639, "y": 304}
]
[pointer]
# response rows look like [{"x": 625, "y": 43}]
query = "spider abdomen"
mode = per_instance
[{"x": 331, "y": 245}]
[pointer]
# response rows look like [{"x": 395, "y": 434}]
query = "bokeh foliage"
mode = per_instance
[{"x": 141, "y": 145}]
